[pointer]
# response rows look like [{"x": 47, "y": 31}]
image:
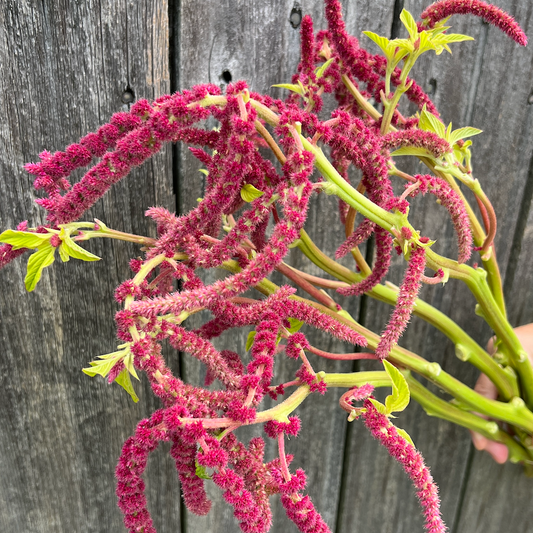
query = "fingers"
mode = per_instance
[
  {"x": 485, "y": 387},
  {"x": 498, "y": 451}
]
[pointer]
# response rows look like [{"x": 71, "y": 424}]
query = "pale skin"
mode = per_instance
[{"x": 484, "y": 386}]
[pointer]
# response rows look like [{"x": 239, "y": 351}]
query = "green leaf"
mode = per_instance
[
  {"x": 412, "y": 150},
  {"x": 128, "y": 363},
  {"x": 250, "y": 339},
  {"x": 124, "y": 380},
  {"x": 463, "y": 133},
  {"x": 405, "y": 435},
  {"x": 24, "y": 239},
  {"x": 63, "y": 253},
  {"x": 249, "y": 193},
  {"x": 119, "y": 354},
  {"x": 37, "y": 262},
  {"x": 295, "y": 325},
  {"x": 201, "y": 471},
  {"x": 106, "y": 363},
  {"x": 410, "y": 23},
  {"x": 399, "y": 54},
  {"x": 319, "y": 72},
  {"x": 76, "y": 251},
  {"x": 379, "y": 406},
  {"x": 399, "y": 399},
  {"x": 426, "y": 43},
  {"x": 383, "y": 43},
  {"x": 429, "y": 122},
  {"x": 291, "y": 87},
  {"x": 462, "y": 152},
  {"x": 405, "y": 46},
  {"x": 101, "y": 368},
  {"x": 447, "y": 38}
]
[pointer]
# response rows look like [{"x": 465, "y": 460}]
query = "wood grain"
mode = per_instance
[{"x": 65, "y": 67}]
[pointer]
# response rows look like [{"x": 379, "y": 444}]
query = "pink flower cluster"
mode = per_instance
[
  {"x": 491, "y": 14},
  {"x": 255, "y": 240},
  {"x": 412, "y": 462}
]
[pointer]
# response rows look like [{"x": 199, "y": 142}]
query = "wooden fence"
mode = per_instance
[{"x": 65, "y": 67}]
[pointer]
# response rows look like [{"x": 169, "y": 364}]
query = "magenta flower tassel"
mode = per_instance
[
  {"x": 419, "y": 139},
  {"x": 412, "y": 462},
  {"x": 358, "y": 237},
  {"x": 380, "y": 268},
  {"x": 192, "y": 486},
  {"x": 405, "y": 303},
  {"x": 489, "y": 13},
  {"x": 452, "y": 202}
]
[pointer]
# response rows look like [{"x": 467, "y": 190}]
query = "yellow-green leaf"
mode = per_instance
[
  {"x": 124, "y": 380},
  {"x": 250, "y": 340},
  {"x": 295, "y": 325},
  {"x": 410, "y": 23},
  {"x": 379, "y": 406},
  {"x": 463, "y": 133},
  {"x": 249, "y": 193},
  {"x": 128, "y": 363},
  {"x": 101, "y": 368},
  {"x": 201, "y": 471},
  {"x": 291, "y": 87},
  {"x": 429, "y": 122},
  {"x": 24, "y": 239},
  {"x": 382, "y": 42},
  {"x": 405, "y": 435},
  {"x": 404, "y": 45},
  {"x": 63, "y": 253},
  {"x": 399, "y": 399},
  {"x": 76, "y": 251},
  {"x": 447, "y": 38},
  {"x": 37, "y": 262},
  {"x": 322, "y": 68}
]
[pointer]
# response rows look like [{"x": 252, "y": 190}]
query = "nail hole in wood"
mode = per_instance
[
  {"x": 431, "y": 88},
  {"x": 226, "y": 76},
  {"x": 530, "y": 99},
  {"x": 128, "y": 96},
  {"x": 295, "y": 18}
]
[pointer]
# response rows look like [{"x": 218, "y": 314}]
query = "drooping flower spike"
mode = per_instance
[
  {"x": 412, "y": 462},
  {"x": 449, "y": 199},
  {"x": 407, "y": 295},
  {"x": 489, "y": 13}
]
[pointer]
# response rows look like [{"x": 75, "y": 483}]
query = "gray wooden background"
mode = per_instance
[{"x": 65, "y": 67}]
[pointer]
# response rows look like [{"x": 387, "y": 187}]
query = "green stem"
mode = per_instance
[
  {"x": 389, "y": 221},
  {"x": 390, "y": 105},
  {"x": 489, "y": 264},
  {"x": 466, "y": 348},
  {"x": 515, "y": 412},
  {"x": 435, "y": 406}
]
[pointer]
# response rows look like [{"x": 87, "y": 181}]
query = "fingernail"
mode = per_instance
[{"x": 479, "y": 441}]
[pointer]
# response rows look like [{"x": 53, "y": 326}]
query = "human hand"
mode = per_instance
[{"x": 485, "y": 387}]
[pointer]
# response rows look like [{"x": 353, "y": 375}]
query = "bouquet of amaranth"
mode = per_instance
[{"x": 264, "y": 161}]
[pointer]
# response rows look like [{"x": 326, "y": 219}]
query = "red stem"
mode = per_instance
[{"x": 342, "y": 356}]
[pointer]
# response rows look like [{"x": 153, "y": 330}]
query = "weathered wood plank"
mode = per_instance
[
  {"x": 258, "y": 44},
  {"x": 466, "y": 94},
  {"x": 65, "y": 66}
]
